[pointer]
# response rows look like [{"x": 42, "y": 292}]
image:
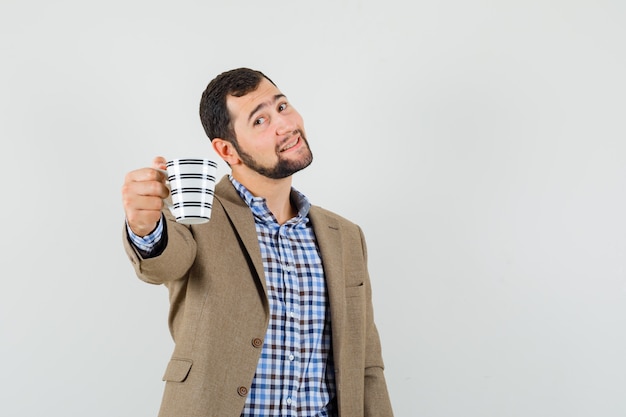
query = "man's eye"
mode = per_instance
[
  {"x": 282, "y": 107},
  {"x": 259, "y": 121}
]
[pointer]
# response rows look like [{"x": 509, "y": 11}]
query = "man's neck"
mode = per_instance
[{"x": 276, "y": 193}]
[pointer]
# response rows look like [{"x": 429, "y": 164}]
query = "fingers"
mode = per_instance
[
  {"x": 159, "y": 163},
  {"x": 147, "y": 175}
]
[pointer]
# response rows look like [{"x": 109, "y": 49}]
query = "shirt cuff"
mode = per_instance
[{"x": 149, "y": 242}]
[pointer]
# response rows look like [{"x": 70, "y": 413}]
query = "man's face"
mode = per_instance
[{"x": 270, "y": 133}]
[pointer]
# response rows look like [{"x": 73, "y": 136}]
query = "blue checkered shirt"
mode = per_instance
[{"x": 295, "y": 374}]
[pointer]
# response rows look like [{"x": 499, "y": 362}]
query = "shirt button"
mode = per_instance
[
  {"x": 243, "y": 391},
  {"x": 257, "y": 343},
  {"x": 291, "y": 314},
  {"x": 289, "y": 401},
  {"x": 291, "y": 357}
]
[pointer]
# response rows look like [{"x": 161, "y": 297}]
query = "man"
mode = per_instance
[{"x": 270, "y": 301}]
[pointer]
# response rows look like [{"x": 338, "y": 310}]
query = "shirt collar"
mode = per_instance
[{"x": 262, "y": 212}]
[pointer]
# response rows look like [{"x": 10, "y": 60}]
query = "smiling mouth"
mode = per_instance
[{"x": 291, "y": 144}]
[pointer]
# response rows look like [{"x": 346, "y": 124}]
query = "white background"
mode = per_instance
[{"x": 480, "y": 145}]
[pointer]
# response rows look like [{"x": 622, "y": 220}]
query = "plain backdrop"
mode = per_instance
[{"x": 479, "y": 144}]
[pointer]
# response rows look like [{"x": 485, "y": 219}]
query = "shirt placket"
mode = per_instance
[{"x": 292, "y": 366}]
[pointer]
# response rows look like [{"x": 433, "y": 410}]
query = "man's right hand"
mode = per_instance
[{"x": 142, "y": 196}]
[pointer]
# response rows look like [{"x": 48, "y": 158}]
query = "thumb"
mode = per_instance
[{"x": 159, "y": 162}]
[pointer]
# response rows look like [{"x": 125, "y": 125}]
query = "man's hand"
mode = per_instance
[{"x": 142, "y": 196}]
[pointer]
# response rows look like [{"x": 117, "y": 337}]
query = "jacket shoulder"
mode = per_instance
[{"x": 319, "y": 214}]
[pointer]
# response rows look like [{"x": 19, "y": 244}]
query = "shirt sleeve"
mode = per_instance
[{"x": 147, "y": 245}]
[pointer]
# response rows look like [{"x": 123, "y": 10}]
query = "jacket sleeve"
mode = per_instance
[
  {"x": 376, "y": 396},
  {"x": 172, "y": 263}
]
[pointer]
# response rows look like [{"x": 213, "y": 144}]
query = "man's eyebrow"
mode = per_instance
[{"x": 260, "y": 106}]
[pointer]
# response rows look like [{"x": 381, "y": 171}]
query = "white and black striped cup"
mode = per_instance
[{"x": 192, "y": 183}]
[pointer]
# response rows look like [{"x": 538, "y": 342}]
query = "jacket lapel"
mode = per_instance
[
  {"x": 328, "y": 236},
  {"x": 241, "y": 219}
]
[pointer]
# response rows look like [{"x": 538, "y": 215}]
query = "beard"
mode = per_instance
[{"x": 282, "y": 168}]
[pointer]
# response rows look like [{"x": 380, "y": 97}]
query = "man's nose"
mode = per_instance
[{"x": 285, "y": 125}]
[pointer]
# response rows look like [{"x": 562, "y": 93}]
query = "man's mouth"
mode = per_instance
[{"x": 291, "y": 143}]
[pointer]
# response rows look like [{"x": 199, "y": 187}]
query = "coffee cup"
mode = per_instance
[{"x": 192, "y": 183}]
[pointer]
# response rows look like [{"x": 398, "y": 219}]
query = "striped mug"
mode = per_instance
[{"x": 192, "y": 183}]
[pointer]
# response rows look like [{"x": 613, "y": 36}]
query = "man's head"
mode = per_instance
[
  {"x": 214, "y": 114},
  {"x": 252, "y": 126}
]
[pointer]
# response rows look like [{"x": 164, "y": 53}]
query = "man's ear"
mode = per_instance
[{"x": 226, "y": 151}]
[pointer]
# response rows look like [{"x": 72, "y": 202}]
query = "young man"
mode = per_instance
[{"x": 270, "y": 301}]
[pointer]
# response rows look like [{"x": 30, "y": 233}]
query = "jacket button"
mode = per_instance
[
  {"x": 243, "y": 391},
  {"x": 257, "y": 343}
]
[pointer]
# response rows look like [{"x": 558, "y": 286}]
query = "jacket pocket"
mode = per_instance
[
  {"x": 177, "y": 370},
  {"x": 355, "y": 291}
]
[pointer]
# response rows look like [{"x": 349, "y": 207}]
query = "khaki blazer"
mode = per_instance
[{"x": 219, "y": 311}]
